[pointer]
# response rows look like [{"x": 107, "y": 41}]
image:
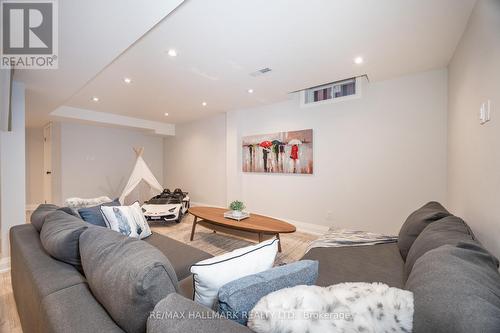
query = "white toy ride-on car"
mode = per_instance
[{"x": 167, "y": 206}]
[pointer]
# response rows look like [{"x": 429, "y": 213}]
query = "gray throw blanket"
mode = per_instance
[{"x": 345, "y": 237}]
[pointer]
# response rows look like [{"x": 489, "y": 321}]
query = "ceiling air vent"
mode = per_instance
[{"x": 261, "y": 71}]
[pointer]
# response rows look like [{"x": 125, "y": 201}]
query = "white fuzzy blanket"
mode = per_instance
[{"x": 345, "y": 307}]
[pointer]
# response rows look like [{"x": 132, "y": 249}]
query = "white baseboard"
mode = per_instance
[
  {"x": 4, "y": 264},
  {"x": 196, "y": 204},
  {"x": 315, "y": 229}
]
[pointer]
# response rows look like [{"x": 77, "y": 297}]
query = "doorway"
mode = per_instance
[{"x": 47, "y": 163}]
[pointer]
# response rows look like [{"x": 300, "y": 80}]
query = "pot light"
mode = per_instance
[
  {"x": 204, "y": 103},
  {"x": 166, "y": 114},
  {"x": 250, "y": 91},
  {"x": 95, "y": 99},
  {"x": 358, "y": 60},
  {"x": 127, "y": 80},
  {"x": 172, "y": 53}
]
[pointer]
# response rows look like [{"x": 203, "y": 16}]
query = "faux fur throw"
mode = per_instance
[
  {"x": 345, "y": 307},
  {"x": 77, "y": 203}
]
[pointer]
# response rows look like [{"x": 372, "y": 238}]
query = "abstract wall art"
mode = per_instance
[{"x": 283, "y": 152}]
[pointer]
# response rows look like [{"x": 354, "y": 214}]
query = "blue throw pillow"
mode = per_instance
[
  {"x": 238, "y": 297},
  {"x": 93, "y": 215}
]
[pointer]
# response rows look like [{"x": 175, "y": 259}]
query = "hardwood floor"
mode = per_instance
[
  {"x": 9, "y": 320},
  {"x": 215, "y": 243}
]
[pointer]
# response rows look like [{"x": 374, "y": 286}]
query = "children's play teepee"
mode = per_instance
[{"x": 141, "y": 174}]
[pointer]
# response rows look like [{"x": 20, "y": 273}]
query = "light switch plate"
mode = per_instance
[{"x": 485, "y": 112}]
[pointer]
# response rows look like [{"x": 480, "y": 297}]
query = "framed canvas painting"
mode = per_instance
[{"x": 283, "y": 152}]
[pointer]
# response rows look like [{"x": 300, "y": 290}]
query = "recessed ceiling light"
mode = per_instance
[
  {"x": 166, "y": 114},
  {"x": 358, "y": 60},
  {"x": 250, "y": 91},
  {"x": 204, "y": 103},
  {"x": 127, "y": 80},
  {"x": 172, "y": 53},
  {"x": 95, "y": 99}
]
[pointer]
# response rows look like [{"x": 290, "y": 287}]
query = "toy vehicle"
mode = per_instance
[{"x": 167, "y": 206}]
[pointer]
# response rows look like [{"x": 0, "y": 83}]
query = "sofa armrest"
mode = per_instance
[{"x": 177, "y": 314}]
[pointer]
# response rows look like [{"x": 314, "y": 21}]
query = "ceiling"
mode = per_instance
[
  {"x": 219, "y": 43},
  {"x": 92, "y": 33}
]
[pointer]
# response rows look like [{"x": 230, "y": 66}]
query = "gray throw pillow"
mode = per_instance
[
  {"x": 449, "y": 230},
  {"x": 69, "y": 211},
  {"x": 456, "y": 289},
  {"x": 417, "y": 222},
  {"x": 60, "y": 237},
  {"x": 126, "y": 275},
  {"x": 40, "y": 213},
  {"x": 94, "y": 216},
  {"x": 238, "y": 297}
]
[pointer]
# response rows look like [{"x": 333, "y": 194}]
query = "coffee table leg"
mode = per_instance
[
  {"x": 194, "y": 227},
  {"x": 260, "y": 237},
  {"x": 279, "y": 242}
]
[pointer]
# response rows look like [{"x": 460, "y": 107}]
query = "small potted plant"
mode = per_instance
[{"x": 237, "y": 208}]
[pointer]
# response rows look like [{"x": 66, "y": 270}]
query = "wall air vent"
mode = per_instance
[
  {"x": 261, "y": 72},
  {"x": 332, "y": 92}
]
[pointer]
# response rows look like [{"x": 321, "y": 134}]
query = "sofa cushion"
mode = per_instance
[
  {"x": 40, "y": 213},
  {"x": 238, "y": 297},
  {"x": 416, "y": 223},
  {"x": 374, "y": 263},
  {"x": 180, "y": 255},
  {"x": 186, "y": 287},
  {"x": 456, "y": 289},
  {"x": 189, "y": 317},
  {"x": 74, "y": 309},
  {"x": 35, "y": 274},
  {"x": 69, "y": 211},
  {"x": 93, "y": 214},
  {"x": 60, "y": 236},
  {"x": 127, "y": 276},
  {"x": 449, "y": 230}
]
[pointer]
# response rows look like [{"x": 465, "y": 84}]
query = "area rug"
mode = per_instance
[{"x": 293, "y": 245}]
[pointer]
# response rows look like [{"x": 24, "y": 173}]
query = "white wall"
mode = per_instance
[
  {"x": 34, "y": 166},
  {"x": 5, "y": 76},
  {"x": 195, "y": 160},
  {"x": 375, "y": 159},
  {"x": 474, "y": 149},
  {"x": 12, "y": 171},
  {"x": 97, "y": 161}
]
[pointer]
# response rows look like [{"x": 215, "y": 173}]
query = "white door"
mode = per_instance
[{"x": 47, "y": 163}]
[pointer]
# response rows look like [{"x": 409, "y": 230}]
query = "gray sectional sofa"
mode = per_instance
[{"x": 455, "y": 281}]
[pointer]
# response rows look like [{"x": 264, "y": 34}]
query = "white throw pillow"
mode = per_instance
[
  {"x": 127, "y": 220},
  {"x": 213, "y": 273}
]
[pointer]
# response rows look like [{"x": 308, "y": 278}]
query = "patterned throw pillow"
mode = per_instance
[{"x": 127, "y": 220}]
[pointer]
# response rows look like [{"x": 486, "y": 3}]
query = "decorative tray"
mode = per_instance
[{"x": 230, "y": 215}]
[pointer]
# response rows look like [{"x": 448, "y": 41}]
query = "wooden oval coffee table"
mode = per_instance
[{"x": 211, "y": 217}]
